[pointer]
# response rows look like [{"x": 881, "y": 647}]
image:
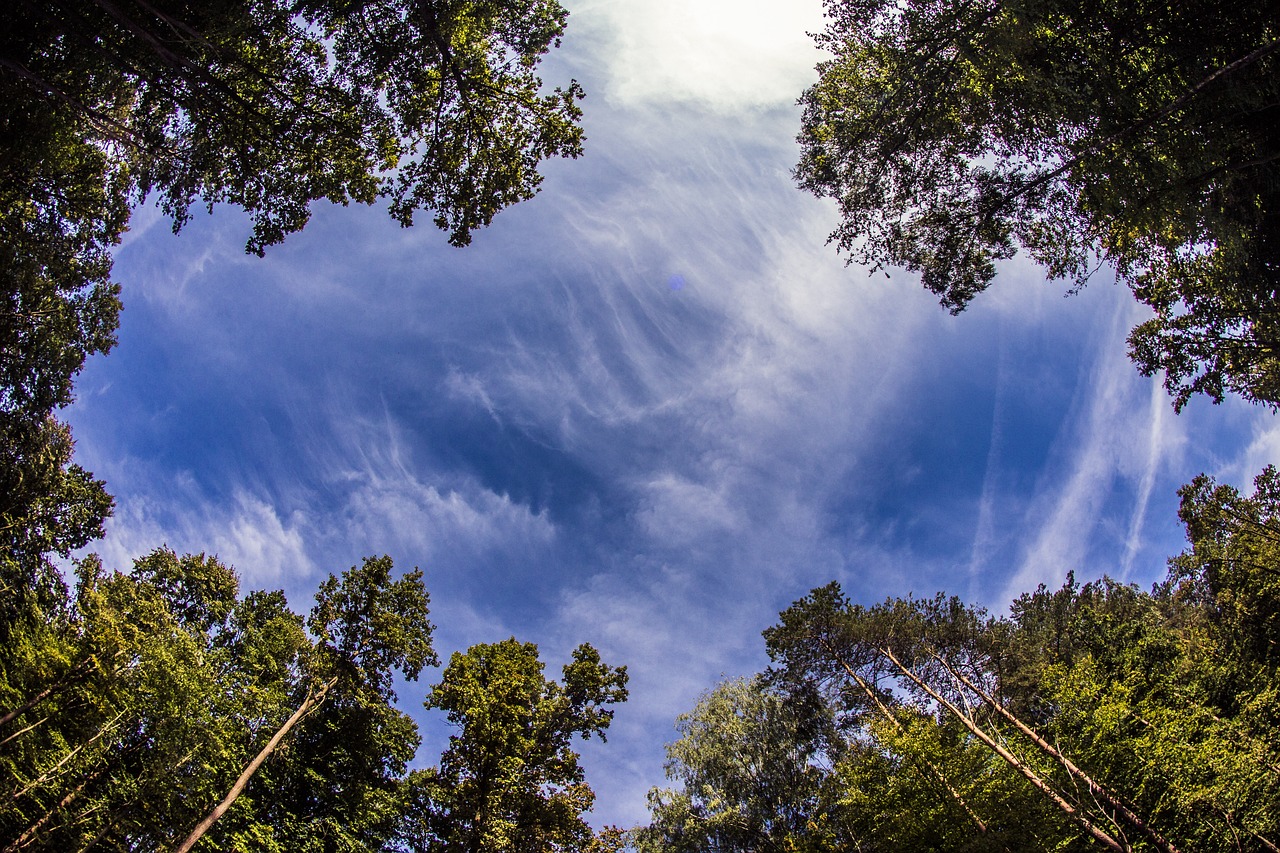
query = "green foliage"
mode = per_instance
[
  {"x": 952, "y": 134},
  {"x": 510, "y": 779},
  {"x": 160, "y": 709},
  {"x": 62, "y": 206},
  {"x": 120, "y": 733},
  {"x": 271, "y": 106},
  {"x": 136, "y": 707},
  {"x": 755, "y": 774},
  {"x": 368, "y": 626},
  {"x": 48, "y": 505}
]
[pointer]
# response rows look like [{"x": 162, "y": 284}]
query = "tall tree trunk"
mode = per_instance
[
  {"x": 45, "y": 776},
  {"x": 1049, "y": 749},
  {"x": 1012, "y": 760},
  {"x": 933, "y": 770},
  {"x": 30, "y": 833},
  {"x": 21, "y": 732},
  {"x": 313, "y": 701}
]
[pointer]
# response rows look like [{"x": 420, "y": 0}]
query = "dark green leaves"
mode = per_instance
[
  {"x": 953, "y": 134},
  {"x": 366, "y": 626},
  {"x": 270, "y": 106}
]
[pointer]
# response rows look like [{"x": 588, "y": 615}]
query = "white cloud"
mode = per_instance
[
  {"x": 679, "y": 512},
  {"x": 248, "y": 533},
  {"x": 1112, "y": 436},
  {"x": 720, "y": 54}
]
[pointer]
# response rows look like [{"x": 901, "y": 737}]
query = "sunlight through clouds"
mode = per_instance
[{"x": 721, "y": 54}]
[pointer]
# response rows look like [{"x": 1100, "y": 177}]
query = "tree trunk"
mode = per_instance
[
  {"x": 313, "y": 701},
  {"x": 1094, "y": 787},
  {"x": 1012, "y": 760},
  {"x": 936, "y": 773},
  {"x": 45, "y": 776},
  {"x": 30, "y": 833},
  {"x": 21, "y": 732}
]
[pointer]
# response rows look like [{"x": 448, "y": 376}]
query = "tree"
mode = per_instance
[
  {"x": 160, "y": 709},
  {"x": 62, "y": 206},
  {"x": 366, "y": 627},
  {"x": 510, "y": 779},
  {"x": 1096, "y": 713},
  {"x": 133, "y": 719},
  {"x": 1085, "y": 132},
  {"x": 161, "y": 692},
  {"x": 756, "y": 773},
  {"x": 1232, "y": 569},
  {"x": 880, "y": 662},
  {"x": 271, "y": 106}
]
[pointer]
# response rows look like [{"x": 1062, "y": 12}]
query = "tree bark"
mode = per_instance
[
  {"x": 30, "y": 833},
  {"x": 313, "y": 701},
  {"x": 46, "y": 775},
  {"x": 21, "y": 732}
]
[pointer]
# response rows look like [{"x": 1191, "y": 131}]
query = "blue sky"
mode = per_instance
[{"x": 647, "y": 409}]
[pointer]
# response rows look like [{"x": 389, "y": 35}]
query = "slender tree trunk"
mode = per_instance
[
  {"x": 934, "y": 771},
  {"x": 21, "y": 732},
  {"x": 107, "y": 826},
  {"x": 70, "y": 755},
  {"x": 30, "y": 833},
  {"x": 1094, "y": 787},
  {"x": 1012, "y": 760},
  {"x": 29, "y": 704},
  {"x": 313, "y": 701}
]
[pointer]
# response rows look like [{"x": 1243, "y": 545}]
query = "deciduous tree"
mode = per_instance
[
  {"x": 953, "y": 134},
  {"x": 434, "y": 105},
  {"x": 510, "y": 779},
  {"x": 756, "y": 773}
]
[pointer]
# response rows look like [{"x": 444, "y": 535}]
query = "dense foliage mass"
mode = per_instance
[
  {"x": 1096, "y": 716},
  {"x": 160, "y": 709},
  {"x": 1141, "y": 135}
]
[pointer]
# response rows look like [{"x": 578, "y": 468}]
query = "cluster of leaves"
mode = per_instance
[
  {"x": 433, "y": 104},
  {"x": 1096, "y": 715},
  {"x": 1084, "y": 132},
  {"x": 160, "y": 709}
]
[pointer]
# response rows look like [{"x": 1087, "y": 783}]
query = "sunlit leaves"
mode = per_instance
[{"x": 510, "y": 779}]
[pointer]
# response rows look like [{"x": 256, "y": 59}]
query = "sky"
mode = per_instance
[{"x": 647, "y": 409}]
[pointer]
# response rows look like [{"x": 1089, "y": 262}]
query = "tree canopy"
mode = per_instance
[
  {"x": 510, "y": 780},
  {"x": 952, "y": 134},
  {"x": 271, "y": 106},
  {"x": 161, "y": 709}
]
